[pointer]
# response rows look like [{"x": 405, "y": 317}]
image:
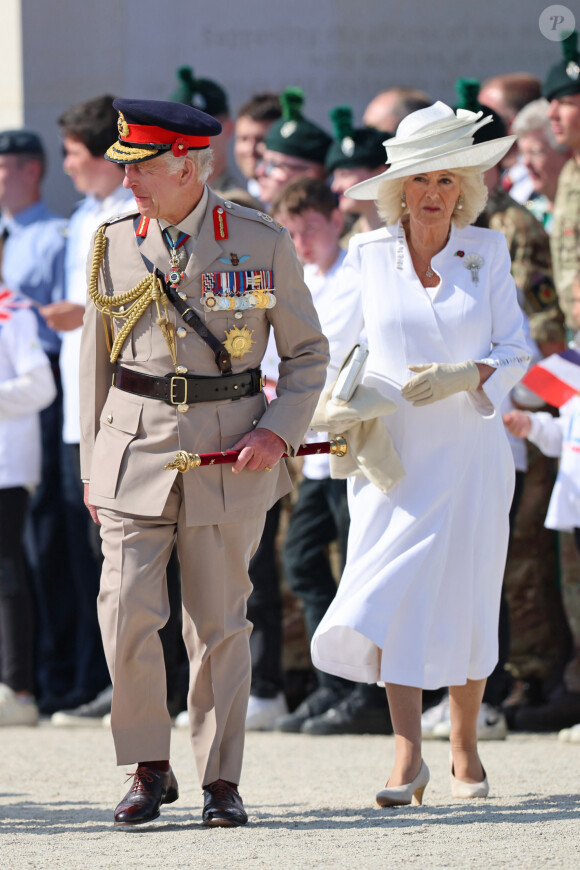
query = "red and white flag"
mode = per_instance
[{"x": 555, "y": 379}]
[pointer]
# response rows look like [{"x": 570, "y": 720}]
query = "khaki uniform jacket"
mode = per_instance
[{"x": 127, "y": 439}]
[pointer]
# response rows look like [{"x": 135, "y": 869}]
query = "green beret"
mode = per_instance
[
  {"x": 563, "y": 79},
  {"x": 354, "y": 149},
  {"x": 467, "y": 91},
  {"x": 200, "y": 93},
  {"x": 293, "y": 134}
]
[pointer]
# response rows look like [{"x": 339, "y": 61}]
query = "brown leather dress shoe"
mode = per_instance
[
  {"x": 222, "y": 805},
  {"x": 150, "y": 789}
]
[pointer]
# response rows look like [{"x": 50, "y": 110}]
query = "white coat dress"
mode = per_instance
[{"x": 418, "y": 601}]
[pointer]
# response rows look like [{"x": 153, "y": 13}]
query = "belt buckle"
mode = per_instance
[{"x": 172, "y": 389}]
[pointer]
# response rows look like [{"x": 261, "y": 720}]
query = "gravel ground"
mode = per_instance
[{"x": 310, "y": 802}]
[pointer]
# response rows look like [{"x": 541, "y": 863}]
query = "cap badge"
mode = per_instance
[
  {"x": 122, "y": 125},
  {"x": 288, "y": 129},
  {"x": 573, "y": 70},
  {"x": 347, "y": 146},
  {"x": 239, "y": 341}
]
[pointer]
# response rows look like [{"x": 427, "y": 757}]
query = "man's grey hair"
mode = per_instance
[{"x": 202, "y": 161}]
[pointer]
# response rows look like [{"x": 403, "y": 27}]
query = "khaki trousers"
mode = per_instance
[{"x": 133, "y": 605}]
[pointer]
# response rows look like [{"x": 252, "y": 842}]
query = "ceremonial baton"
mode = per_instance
[{"x": 185, "y": 461}]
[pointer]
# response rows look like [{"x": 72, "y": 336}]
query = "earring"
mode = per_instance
[
  {"x": 459, "y": 204},
  {"x": 403, "y": 201}
]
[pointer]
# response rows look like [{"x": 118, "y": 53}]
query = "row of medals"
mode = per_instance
[{"x": 238, "y": 341}]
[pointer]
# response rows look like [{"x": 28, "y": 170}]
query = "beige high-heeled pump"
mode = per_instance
[
  {"x": 400, "y": 795},
  {"x": 461, "y": 789}
]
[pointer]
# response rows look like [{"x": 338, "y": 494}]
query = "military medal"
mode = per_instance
[
  {"x": 239, "y": 341},
  {"x": 175, "y": 275},
  {"x": 229, "y": 291}
]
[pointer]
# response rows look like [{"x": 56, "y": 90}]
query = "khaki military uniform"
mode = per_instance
[
  {"x": 214, "y": 516},
  {"x": 565, "y": 238}
]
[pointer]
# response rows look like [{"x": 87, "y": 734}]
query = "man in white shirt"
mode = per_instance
[
  {"x": 87, "y": 130},
  {"x": 310, "y": 212}
]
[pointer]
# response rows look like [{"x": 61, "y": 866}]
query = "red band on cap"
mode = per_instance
[
  {"x": 145, "y": 135},
  {"x": 220, "y": 224}
]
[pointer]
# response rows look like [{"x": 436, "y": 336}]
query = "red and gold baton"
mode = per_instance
[{"x": 185, "y": 461}]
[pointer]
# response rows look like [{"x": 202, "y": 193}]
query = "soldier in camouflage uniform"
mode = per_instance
[{"x": 562, "y": 89}]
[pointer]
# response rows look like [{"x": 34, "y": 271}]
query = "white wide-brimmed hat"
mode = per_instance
[{"x": 431, "y": 139}]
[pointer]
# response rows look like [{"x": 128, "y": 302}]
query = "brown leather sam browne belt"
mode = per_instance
[{"x": 188, "y": 389}]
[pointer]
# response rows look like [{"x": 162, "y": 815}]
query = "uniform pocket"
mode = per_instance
[{"x": 119, "y": 426}]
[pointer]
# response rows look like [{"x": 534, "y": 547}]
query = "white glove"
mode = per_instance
[{"x": 436, "y": 381}]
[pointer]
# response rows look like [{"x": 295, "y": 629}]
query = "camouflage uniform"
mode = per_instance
[
  {"x": 538, "y": 642},
  {"x": 565, "y": 240},
  {"x": 529, "y": 247}
]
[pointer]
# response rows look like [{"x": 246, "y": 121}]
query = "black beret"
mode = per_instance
[
  {"x": 203, "y": 94},
  {"x": 20, "y": 142},
  {"x": 354, "y": 149},
  {"x": 563, "y": 79},
  {"x": 295, "y": 135}
]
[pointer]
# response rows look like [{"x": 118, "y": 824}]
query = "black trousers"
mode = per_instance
[
  {"x": 16, "y": 602},
  {"x": 320, "y": 516},
  {"x": 499, "y": 681},
  {"x": 265, "y": 613}
]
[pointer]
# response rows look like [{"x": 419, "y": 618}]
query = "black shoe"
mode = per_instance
[
  {"x": 561, "y": 711},
  {"x": 222, "y": 805},
  {"x": 353, "y": 715},
  {"x": 86, "y": 714},
  {"x": 314, "y": 705},
  {"x": 49, "y": 704},
  {"x": 150, "y": 789}
]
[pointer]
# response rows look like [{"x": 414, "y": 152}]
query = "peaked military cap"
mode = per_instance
[
  {"x": 467, "y": 91},
  {"x": 293, "y": 134},
  {"x": 354, "y": 149},
  {"x": 148, "y": 128},
  {"x": 563, "y": 79},
  {"x": 202, "y": 94},
  {"x": 20, "y": 142}
]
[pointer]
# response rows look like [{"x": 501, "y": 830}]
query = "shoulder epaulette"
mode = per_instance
[
  {"x": 252, "y": 214},
  {"x": 128, "y": 215}
]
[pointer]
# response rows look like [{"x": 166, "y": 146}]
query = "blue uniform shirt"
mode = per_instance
[{"x": 33, "y": 262}]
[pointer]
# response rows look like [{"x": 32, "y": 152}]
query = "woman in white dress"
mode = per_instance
[{"x": 417, "y": 606}]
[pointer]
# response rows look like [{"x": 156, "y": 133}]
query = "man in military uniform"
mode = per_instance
[
  {"x": 186, "y": 375},
  {"x": 562, "y": 89}
]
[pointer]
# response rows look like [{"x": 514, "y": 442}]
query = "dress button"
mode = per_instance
[
  {"x": 181, "y": 370},
  {"x": 183, "y": 408},
  {"x": 110, "y": 418},
  {"x": 254, "y": 422},
  {"x": 181, "y": 332},
  {"x": 238, "y": 314}
]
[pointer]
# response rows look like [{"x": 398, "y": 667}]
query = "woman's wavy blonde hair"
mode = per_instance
[{"x": 473, "y": 191}]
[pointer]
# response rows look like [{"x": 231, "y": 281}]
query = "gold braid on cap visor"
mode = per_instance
[
  {"x": 121, "y": 152},
  {"x": 138, "y": 299}
]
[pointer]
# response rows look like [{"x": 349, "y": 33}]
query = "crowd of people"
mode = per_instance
[{"x": 505, "y": 159}]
